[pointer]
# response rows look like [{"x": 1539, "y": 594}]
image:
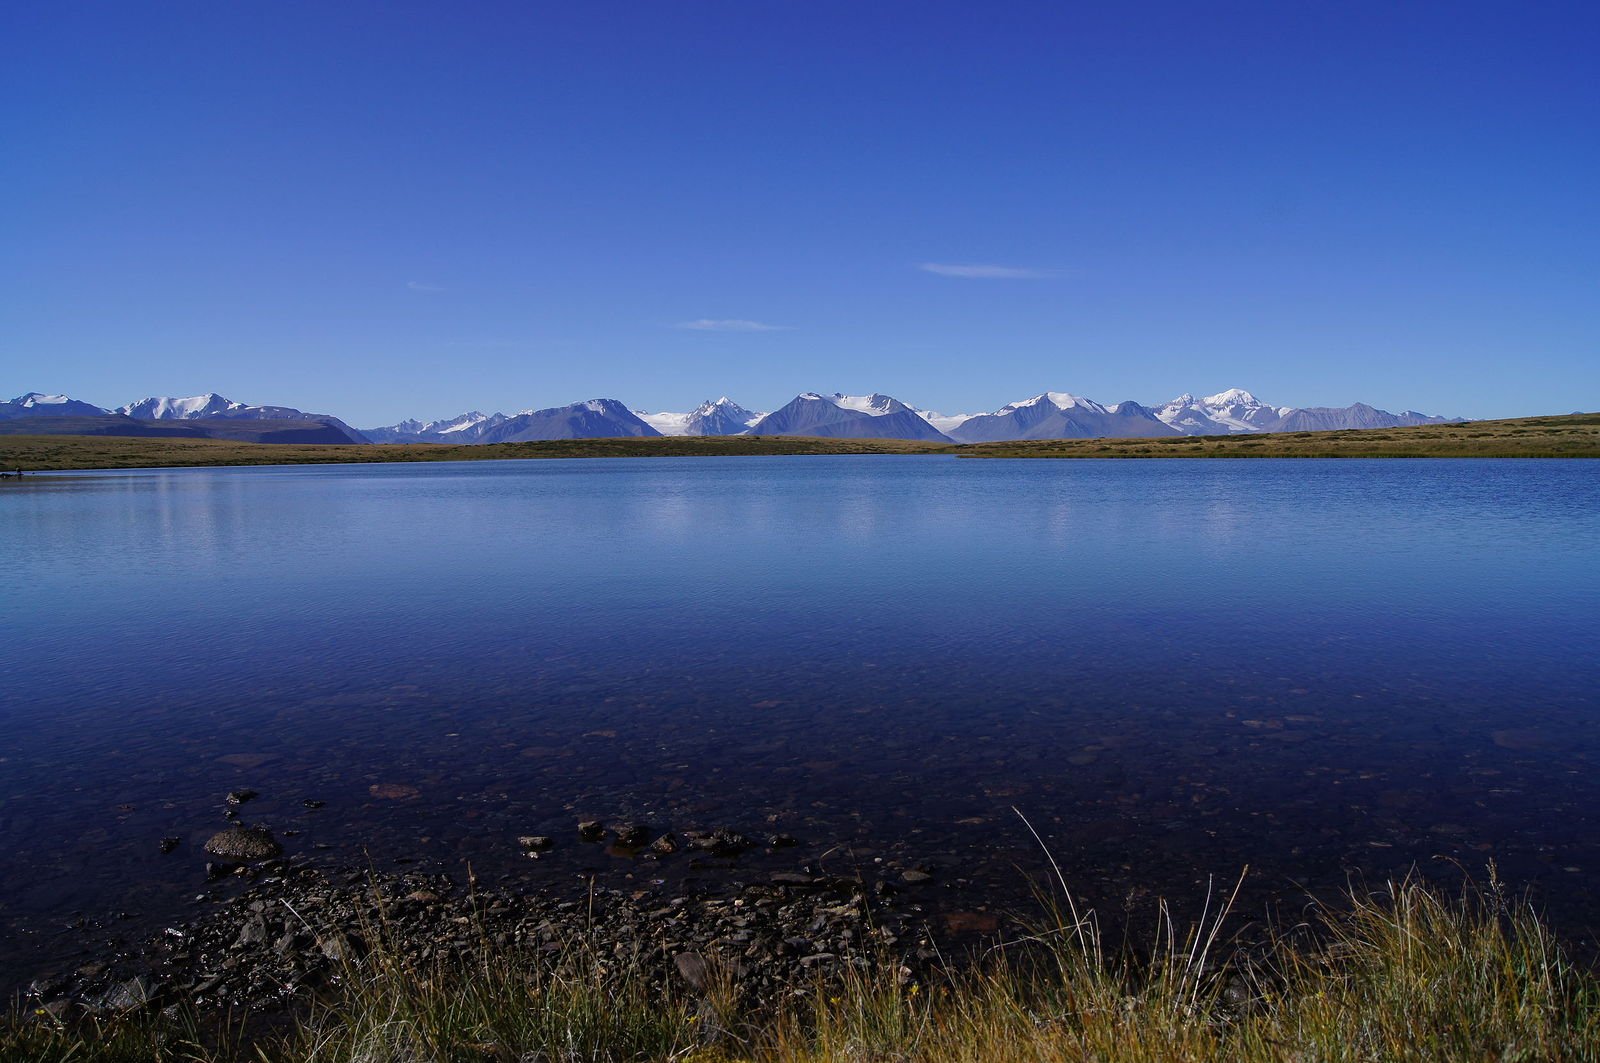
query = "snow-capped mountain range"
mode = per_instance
[
  {"x": 714, "y": 417},
  {"x": 33, "y": 404},
  {"x": 847, "y": 417},
  {"x": 191, "y": 408},
  {"x": 1048, "y": 415},
  {"x": 467, "y": 428},
  {"x": 208, "y": 416}
]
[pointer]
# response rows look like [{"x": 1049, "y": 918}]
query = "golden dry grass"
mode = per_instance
[{"x": 1401, "y": 974}]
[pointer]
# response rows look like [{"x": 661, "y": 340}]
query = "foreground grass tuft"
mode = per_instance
[{"x": 1402, "y": 973}]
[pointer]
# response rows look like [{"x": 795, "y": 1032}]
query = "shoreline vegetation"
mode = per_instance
[
  {"x": 1567, "y": 436},
  {"x": 1402, "y": 972}
]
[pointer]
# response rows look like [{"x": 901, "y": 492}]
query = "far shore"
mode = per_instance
[{"x": 1567, "y": 436}]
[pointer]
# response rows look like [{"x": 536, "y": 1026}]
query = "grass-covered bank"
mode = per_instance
[
  {"x": 1403, "y": 973},
  {"x": 1571, "y": 436},
  {"x": 47, "y": 453}
]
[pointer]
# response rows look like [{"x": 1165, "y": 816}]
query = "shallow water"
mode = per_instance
[{"x": 1318, "y": 669}]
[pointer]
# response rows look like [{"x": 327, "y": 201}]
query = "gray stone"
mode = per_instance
[
  {"x": 336, "y": 947},
  {"x": 632, "y": 835},
  {"x": 254, "y": 932},
  {"x": 136, "y": 992},
  {"x": 792, "y": 878},
  {"x": 692, "y": 966},
  {"x": 244, "y": 843}
]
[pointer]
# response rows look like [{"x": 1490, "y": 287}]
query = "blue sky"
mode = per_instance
[{"x": 391, "y": 210}]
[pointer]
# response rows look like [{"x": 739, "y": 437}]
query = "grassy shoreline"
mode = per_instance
[
  {"x": 1404, "y": 973},
  {"x": 1570, "y": 436}
]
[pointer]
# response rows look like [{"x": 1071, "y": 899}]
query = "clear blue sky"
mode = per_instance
[{"x": 402, "y": 209}]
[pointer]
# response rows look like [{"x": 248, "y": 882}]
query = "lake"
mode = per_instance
[{"x": 1324, "y": 670}]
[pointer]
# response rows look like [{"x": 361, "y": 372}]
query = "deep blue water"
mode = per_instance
[{"x": 1319, "y": 669}]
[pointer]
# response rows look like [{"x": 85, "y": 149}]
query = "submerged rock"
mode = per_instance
[
  {"x": 720, "y": 842},
  {"x": 632, "y": 835}
]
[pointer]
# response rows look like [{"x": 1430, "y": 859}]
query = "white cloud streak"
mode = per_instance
[
  {"x": 728, "y": 324},
  {"x": 985, "y": 272}
]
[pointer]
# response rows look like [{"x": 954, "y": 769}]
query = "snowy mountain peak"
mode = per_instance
[
  {"x": 167, "y": 408},
  {"x": 944, "y": 422},
  {"x": 1225, "y": 413},
  {"x": 875, "y": 404},
  {"x": 713, "y": 417},
  {"x": 471, "y": 417},
  {"x": 1065, "y": 400},
  {"x": 463, "y": 428},
  {"x": 35, "y": 404},
  {"x": 1232, "y": 397},
  {"x": 1061, "y": 400}
]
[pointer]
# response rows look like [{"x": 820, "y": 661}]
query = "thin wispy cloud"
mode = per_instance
[
  {"x": 729, "y": 324},
  {"x": 428, "y": 289},
  {"x": 978, "y": 271}
]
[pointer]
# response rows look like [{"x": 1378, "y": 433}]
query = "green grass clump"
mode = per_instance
[{"x": 1399, "y": 974}]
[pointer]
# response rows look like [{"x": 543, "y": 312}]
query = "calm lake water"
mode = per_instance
[{"x": 1175, "y": 669}]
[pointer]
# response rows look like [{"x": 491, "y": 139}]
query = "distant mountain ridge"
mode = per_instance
[
  {"x": 1061, "y": 415},
  {"x": 1048, "y": 415},
  {"x": 207, "y": 416},
  {"x": 212, "y": 406},
  {"x": 714, "y": 417},
  {"x": 593, "y": 419},
  {"x": 847, "y": 417},
  {"x": 467, "y": 428}
]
